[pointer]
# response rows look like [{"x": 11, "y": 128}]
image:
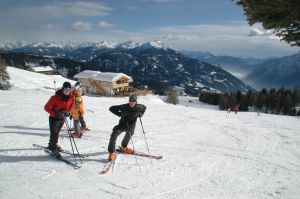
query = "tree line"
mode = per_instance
[{"x": 275, "y": 101}]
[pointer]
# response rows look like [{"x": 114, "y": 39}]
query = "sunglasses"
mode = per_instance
[{"x": 132, "y": 100}]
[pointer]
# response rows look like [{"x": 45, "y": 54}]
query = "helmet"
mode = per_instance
[{"x": 77, "y": 85}]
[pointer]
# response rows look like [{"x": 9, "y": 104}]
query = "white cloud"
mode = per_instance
[
  {"x": 161, "y": 1},
  {"x": 229, "y": 39},
  {"x": 273, "y": 37},
  {"x": 105, "y": 25},
  {"x": 63, "y": 9},
  {"x": 132, "y": 7},
  {"x": 81, "y": 26},
  {"x": 205, "y": 30},
  {"x": 257, "y": 32},
  {"x": 50, "y": 27},
  {"x": 170, "y": 37}
]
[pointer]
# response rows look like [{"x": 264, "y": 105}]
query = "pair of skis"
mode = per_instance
[
  {"x": 72, "y": 164},
  {"x": 62, "y": 151},
  {"x": 110, "y": 164}
]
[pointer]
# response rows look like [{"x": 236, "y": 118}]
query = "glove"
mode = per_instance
[
  {"x": 62, "y": 114},
  {"x": 140, "y": 114},
  {"x": 59, "y": 114},
  {"x": 66, "y": 113},
  {"x": 70, "y": 117}
]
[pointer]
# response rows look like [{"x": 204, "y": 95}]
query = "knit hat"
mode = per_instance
[
  {"x": 132, "y": 98},
  {"x": 67, "y": 85}
]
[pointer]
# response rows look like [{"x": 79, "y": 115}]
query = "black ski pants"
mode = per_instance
[
  {"x": 55, "y": 125},
  {"x": 117, "y": 130}
]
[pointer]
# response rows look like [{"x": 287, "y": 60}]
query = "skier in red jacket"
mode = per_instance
[{"x": 59, "y": 106}]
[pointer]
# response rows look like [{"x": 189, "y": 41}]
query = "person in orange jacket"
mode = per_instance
[
  {"x": 77, "y": 115},
  {"x": 59, "y": 107}
]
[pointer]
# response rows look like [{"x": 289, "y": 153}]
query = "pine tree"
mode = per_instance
[
  {"x": 287, "y": 104},
  {"x": 280, "y": 16},
  {"x": 4, "y": 77},
  {"x": 238, "y": 97},
  {"x": 223, "y": 104},
  {"x": 244, "y": 104}
]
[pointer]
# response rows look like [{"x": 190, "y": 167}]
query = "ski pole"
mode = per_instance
[
  {"x": 145, "y": 139},
  {"x": 67, "y": 125},
  {"x": 72, "y": 140},
  {"x": 133, "y": 148}
]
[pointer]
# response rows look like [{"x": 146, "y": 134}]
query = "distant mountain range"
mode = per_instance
[
  {"x": 258, "y": 73},
  {"x": 275, "y": 73},
  {"x": 159, "y": 67},
  {"x": 152, "y": 64},
  {"x": 238, "y": 66},
  {"x": 155, "y": 65}
]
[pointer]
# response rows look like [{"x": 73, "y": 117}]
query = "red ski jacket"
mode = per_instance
[{"x": 56, "y": 103}]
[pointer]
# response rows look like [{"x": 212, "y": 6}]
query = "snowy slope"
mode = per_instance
[{"x": 207, "y": 153}]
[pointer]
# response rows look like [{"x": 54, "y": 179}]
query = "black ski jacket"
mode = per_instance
[{"x": 128, "y": 115}]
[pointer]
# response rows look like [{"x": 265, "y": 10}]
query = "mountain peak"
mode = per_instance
[
  {"x": 128, "y": 45},
  {"x": 155, "y": 44},
  {"x": 106, "y": 44}
]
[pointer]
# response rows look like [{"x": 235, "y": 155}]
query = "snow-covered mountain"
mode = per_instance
[
  {"x": 207, "y": 153},
  {"x": 276, "y": 73},
  {"x": 12, "y": 45},
  {"x": 158, "y": 67},
  {"x": 154, "y": 44},
  {"x": 238, "y": 66},
  {"x": 152, "y": 64},
  {"x": 82, "y": 51},
  {"x": 128, "y": 45}
]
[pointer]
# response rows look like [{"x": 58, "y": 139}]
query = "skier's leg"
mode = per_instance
[
  {"x": 117, "y": 130},
  {"x": 59, "y": 124},
  {"x": 55, "y": 126},
  {"x": 51, "y": 144},
  {"x": 82, "y": 123},
  {"x": 129, "y": 133},
  {"x": 77, "y": 127}
]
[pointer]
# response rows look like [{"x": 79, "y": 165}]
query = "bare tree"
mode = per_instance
[{"x": 172, "y": 96}]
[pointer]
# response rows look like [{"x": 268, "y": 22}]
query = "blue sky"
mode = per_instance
[{"x": 217, "y": 26}]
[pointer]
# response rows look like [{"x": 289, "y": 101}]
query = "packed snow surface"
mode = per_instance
[{"x": 207, "y": 153}]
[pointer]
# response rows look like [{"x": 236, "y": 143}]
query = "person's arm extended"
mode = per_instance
[{"x": 116, "y": 110}]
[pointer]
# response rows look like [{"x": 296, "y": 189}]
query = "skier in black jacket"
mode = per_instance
[{"x": 129, "y": 113}]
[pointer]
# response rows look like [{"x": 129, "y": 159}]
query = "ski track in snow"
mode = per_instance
[{"x": 206, "y": 153}]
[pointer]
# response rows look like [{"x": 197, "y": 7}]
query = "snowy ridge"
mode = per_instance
[
  {"x": 128, "y": 45},
  {"x": 154, "y": 44},
  {"x": 9, "y": 45},
  {"x": 105, "y": 44},
  {"x": 207, "y": 153},
  {"x": 73, "y": 45}
]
